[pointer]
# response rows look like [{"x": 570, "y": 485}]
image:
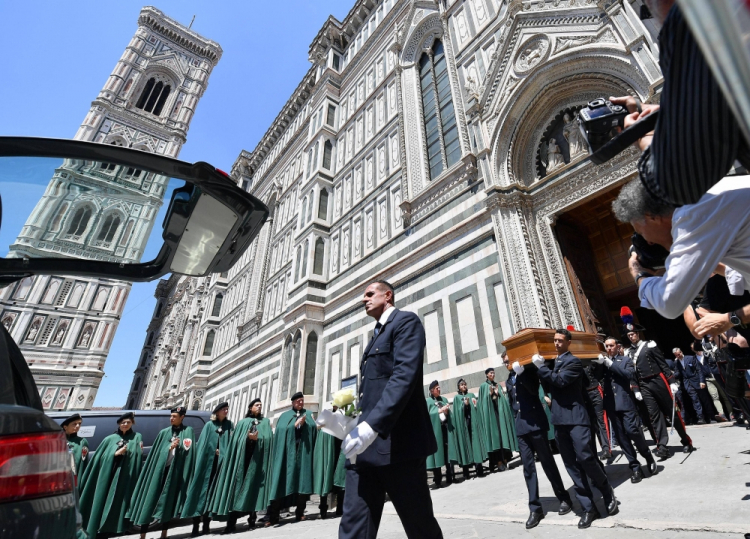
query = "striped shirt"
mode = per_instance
[{"x": 697, "y": 139}]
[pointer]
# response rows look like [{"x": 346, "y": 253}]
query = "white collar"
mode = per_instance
[{"x": 386, "y": 314}]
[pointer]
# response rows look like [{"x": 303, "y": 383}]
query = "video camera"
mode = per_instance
[
  {"x": 601, "y": 122},
  {"x": 650, "y": 256}
]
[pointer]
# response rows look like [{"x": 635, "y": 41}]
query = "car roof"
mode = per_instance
[{"x": 89, "y": 413}]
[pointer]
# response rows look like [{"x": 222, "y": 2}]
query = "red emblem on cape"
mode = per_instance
[
  {"x": 186, "y": 443},
  {"x": 84, "y": 452}
]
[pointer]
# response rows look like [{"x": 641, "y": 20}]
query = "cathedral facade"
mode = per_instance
[
  {"x": 63, "y": 325},
  {"x": 431, "y": 144}
]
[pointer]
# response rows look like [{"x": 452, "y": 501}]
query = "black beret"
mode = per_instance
[
  {"x": 488, "y": 369},
  {"x": 220, "y": 406},
  {"x": 74, "y": 417},
  {"x": 297, "y": 395},
  {"x": 126, "y": 415},
  {"x": 252, "y": 403},
  {"x": 178, "y": 410},
  {"x": 434, "y": 384}
]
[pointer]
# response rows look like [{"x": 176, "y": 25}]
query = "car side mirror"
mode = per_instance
[{"x": 81, "y": 208}]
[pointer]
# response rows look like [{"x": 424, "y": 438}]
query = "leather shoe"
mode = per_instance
[
  {"x": 587, "y": 519},
  {"x": 687, "y": 449},
  {"x": 663, "y": 453},
  {"x": 534, "y": 519},
  {"x": 612, "y": 507},
  {"x": 653, "y": 469},
  {"x": 636, "y": 476},
  {"x": 565, "y": 508}
]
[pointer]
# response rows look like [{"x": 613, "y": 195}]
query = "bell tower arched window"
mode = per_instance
[
  {"x": 217, "y": 305},
  {"x": 327, "y": 154},
  {"x": 318, "y": 257},
  {"x": 154, "y": 96},
  {"x": 441, "y": 131},
  {"x": 308, "y": 383},
  {"x": 80, "y": 221},
  {"x": 208, "y": 347},
  {"x": 107, "y": 232},
  {"x": 323, "y": 204}
]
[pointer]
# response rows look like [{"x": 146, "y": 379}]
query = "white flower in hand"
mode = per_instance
[{"x": 343, "y": 397}]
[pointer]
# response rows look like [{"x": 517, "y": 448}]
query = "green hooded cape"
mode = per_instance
[
  {"x": 497, "y": 421},
  {"x": 79, "y": 447},
  {"x": 292, "y": 464},
  {"x": 215, "y": 434},
  {"x": 437, "y": 459},
  {"x": 469, "y": 449},
  {"x": 107, "y": 484},
  {"x": 159, "y": 496},
  {"x": 325, "y": 460},
  {"x": 551, "y": 431},
  {"x": 239, "y": 487},
  {"x": 339, "y": 476}
]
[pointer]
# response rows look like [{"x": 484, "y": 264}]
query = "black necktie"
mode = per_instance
[{"x": 377, "y": 330}]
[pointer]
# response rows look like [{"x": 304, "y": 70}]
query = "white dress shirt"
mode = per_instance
[
  {"x": 715, "y": 229},
  {"x": 386, "y": 314}
]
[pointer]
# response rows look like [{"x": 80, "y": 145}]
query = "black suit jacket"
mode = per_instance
[
  {"x": 691, "y": 373},
  {"x": 619, "y": 383},
  {"x": 566, "y": 388},
  {"x": 391, "y": 396},
  {"x": 523, "y": 393}
]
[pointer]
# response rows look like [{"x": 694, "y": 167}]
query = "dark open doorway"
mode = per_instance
[{"x": 595, "y": 247}]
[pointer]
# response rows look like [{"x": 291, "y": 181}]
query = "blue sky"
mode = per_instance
[{"x": 58, "y": 55}]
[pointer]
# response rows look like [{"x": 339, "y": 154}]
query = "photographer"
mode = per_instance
[
  {"x": 700, "y": 237},
  {"x": 697, "y": 138}
]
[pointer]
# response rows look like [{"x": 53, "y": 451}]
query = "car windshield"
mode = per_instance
[{"x": 74, "y": 208}]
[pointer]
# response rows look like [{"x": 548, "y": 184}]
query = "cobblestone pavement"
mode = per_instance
[{"x": 705, "y": 495}]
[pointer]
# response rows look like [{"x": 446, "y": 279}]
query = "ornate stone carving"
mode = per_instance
[{"x": 532, "y": 53}]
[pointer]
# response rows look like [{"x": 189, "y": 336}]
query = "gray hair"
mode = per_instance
[
  {"x": 675, "y": 349},
  {"x": 634, "y": 203}
]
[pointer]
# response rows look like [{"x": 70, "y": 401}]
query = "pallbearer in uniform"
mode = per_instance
[
  {"x": 108, "y": 481},
  {"x": 497, "y": 422},
  {"x": 162, "y": 486},
  {"x": 210, "y": 453},
  {"x": 242, "y": 487},
  {"x": 657, "y": 384},
  {"x": 468, "y": 431},
  {"x": 593, "y": 373},
  {"x": 79, "y": 447},
  {"x": 292, "y": 465},
  {"x": 441, "y": 419},
  {"x": 620, "y": 393},
  {"x": 573, "y": 428},
  {"x": 532, "y": 427}
]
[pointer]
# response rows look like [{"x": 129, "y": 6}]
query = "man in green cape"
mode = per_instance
[
  {"x": 497, "y": 422},
  {"x": 468, "y": 437},
  {"x": 242, "y": 485},
  {"x": 79, "y": 447},
  {"x": 210, "y": 453},
  {"x": 326, "y": 457},
  {"x": 442, "y": 426},
  {"x": 108, "y": 481},
  {"x": 292, "y": 465},
  {"x": 162, "y": 486}
]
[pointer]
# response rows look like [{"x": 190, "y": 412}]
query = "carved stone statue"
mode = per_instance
[
  {"x": 86, "y": 337},
  {"x": 576, "y": 144},
  {"x": 60, "y": 334},
  {"x": 472, "y": 88},
  {"x": 554, "y": 156}
]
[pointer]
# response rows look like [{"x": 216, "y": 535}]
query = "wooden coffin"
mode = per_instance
[{"x": 527, "y": 342}]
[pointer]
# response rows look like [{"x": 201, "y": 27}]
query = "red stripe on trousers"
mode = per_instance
[
  {"x": 679, "y": 416},
  {"x": 606, "y": 421}
]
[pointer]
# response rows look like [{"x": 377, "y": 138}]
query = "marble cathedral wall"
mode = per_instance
[{"x": 362, "y": 186}]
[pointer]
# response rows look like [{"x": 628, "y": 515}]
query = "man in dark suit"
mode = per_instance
[
  {"x": 573, "y": 428},
  {"x": 690, "y": 374},
  {"x": 620, "y": 390},
  {"x": 531, "y": 428},
  {"x": 387, "y": 450}
]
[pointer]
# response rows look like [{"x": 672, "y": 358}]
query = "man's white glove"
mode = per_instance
[
  {"x": 674, "y": 388},
  {"x": 358, "y": 440},
  {"x": 638, "y": 395},
  {"x": 537, "y": 360},
  {"x": 600, "y": 359},
  {"x": 517, "y": 367}
]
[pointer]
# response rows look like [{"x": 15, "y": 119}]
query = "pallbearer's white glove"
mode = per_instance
[
  {"x": 638, "y": 395},
  {"x": 674, "y": 388},
  {"x": 358, "y": 440},
  {"x": 517, "y": 367},
  {"x": 537, "y": 360},
  {"x": 599, "y": 360},
  {"x": 607, "y": 361}
]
